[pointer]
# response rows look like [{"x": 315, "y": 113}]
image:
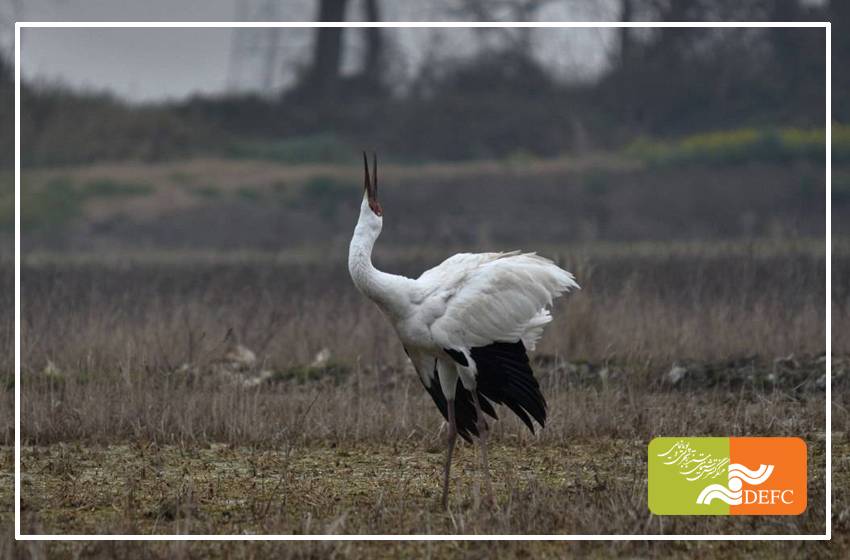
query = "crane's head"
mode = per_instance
[{"x": 371, "y": 185}]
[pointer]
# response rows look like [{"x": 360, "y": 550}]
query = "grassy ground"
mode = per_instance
[
  {"x": 635, "y": 308},
  {"x": 591, "y": 487},
  {"x": 580, "y": 488},
  {"x": 474, "y": 550},
  {"x": 140, "y": 416},
  {"x": 346, "y": 457}
]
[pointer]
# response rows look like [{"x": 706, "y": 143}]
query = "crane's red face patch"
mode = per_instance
[{"x": 376, "y": 207}]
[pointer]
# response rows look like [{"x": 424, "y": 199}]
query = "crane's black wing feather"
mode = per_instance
[
  {"x": 505, "y": 377},
  {"x": 465, "y": 417}
]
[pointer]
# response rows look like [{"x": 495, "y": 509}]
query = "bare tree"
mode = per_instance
[
  {"x": 324, "y": 72},
  {"x": 323, "y": 77},
  {"x": 373, "y": 61},
  {"x": 518, "y": 40},
  {"x": 839, "y": 15},
  {"x": 627, "y": 9}
]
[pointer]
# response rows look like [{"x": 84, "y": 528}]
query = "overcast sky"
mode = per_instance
[{"x": 157, "y": 64}]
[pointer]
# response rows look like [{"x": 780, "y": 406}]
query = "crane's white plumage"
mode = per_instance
[
  {"x": 478, "y": 299},
  {"x": 466, "y": 324}
]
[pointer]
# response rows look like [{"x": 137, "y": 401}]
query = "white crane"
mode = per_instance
[{"x": 465, "y": 325}]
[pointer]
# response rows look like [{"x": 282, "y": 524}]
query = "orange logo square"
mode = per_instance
[{"x": 779, "y": 484}]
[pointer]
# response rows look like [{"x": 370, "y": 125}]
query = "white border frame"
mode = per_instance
[{"x": 425, "y": 24}]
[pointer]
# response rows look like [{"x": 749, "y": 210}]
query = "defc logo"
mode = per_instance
[{"x": 727, "y": 476}]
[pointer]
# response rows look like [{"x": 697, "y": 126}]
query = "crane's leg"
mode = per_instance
[
  {"x": 452, "y": 436},
  {"x": 483, "y": 433}
]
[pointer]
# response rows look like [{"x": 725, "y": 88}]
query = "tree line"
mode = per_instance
[{"x": 500, "y": 101}]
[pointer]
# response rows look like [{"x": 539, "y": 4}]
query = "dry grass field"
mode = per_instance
[
  {"x": 171, "y": 386},
  {"x": 142, "y": 414}
]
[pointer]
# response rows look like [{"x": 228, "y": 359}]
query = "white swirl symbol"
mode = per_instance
[{"x": 738, "y": 474}]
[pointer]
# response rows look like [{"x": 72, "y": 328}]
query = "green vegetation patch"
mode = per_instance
[
  {"x": 373, "y": 487},
  {"x": 7, "y": 201},
  {"x": 111, "y": 188},
  {"x": 325, "y": 195},
  {"x": 60, "y": 200},
  {"x": 205, "y": 191},
  {"x": 250, "y": 194},
  {"x": 318, "y": 148},
  {"x": 305, "y": 373},
  {"x": 841, "y": 187},
  {"x": 744, "y": 145},
  {"x": 50, "y": 206}
]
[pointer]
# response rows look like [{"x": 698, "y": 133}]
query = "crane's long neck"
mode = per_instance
[{"x": 389, "y": 291}]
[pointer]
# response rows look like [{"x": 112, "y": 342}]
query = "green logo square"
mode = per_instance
[{"x": 679, "y": 468}]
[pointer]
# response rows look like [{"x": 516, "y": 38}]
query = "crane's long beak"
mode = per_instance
[{"x": 370, "y": 184}]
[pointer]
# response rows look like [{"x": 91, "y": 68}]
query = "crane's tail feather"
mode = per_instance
[
  {"x": 505, "y": 377},
  {"x": 465, "y": 416}
]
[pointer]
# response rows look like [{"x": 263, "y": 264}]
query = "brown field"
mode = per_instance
[
  {"x": 140, "y": 416},
  {"x": 636, "y": 307},
  {"x": 137, "y": 417}
]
